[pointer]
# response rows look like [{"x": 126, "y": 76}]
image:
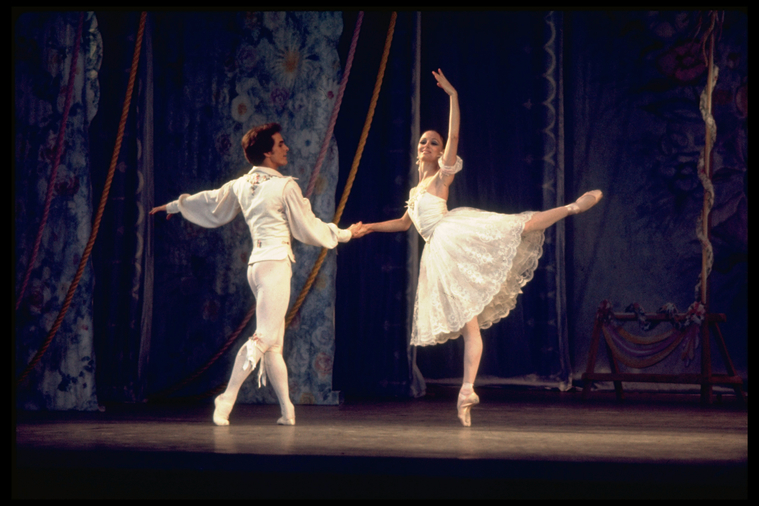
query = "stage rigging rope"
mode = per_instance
[
  {"x": 101, "y": 207},
  {"x": 309, "y": 190}
]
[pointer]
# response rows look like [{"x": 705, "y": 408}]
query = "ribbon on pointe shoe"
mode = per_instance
[{"x": 251, "y": 361}]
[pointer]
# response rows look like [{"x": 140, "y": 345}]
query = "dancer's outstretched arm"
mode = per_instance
[
  {"x": 400, "y": 225},
  {"x": 209, "y": 209}
]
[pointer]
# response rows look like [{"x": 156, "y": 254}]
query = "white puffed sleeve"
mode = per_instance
[
  {"x": 304, "y": 225},
  {"x": 449, "y": 170},
  {"x": 210, "y": 209}
]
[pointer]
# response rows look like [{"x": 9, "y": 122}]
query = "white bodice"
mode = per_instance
[{"x": 426, "y": 210}]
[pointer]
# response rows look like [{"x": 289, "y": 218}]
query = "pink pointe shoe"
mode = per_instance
[
  {"x": 286, "y": 421},
  {"x": 464, "y": 407},
  {"x": 585, "y": 202}
]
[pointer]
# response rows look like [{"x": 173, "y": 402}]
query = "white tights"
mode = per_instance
[{"x": 270, "y": 282}]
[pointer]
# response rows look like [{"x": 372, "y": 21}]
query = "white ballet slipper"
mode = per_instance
[{"x": 221, "y": 411}]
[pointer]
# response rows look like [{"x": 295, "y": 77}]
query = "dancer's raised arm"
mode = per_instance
[{"x": 454, "y": 120}]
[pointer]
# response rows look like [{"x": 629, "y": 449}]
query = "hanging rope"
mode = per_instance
[
  {"x": 312, "y": 182},
  {"x": 336, "y": 108},
  {"x": 101, "y": 207},
  {"x": 57, "y": 159}
]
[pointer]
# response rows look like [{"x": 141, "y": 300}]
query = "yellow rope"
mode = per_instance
[{"x": 351, "y": 175}]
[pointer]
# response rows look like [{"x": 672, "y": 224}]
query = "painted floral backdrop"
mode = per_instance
[{"x": 44, "y": 45}]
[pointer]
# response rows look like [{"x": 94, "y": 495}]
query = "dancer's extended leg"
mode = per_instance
[
  {"x": 544, "y": 219},
  {"x": 472, "y": 356}
]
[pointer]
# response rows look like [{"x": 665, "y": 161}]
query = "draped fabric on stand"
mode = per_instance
[{"x": 44, "y": 45}]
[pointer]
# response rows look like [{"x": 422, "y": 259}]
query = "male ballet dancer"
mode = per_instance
[{"x": 274, "y": 209}]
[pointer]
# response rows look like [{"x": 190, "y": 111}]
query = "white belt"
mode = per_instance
[{"x": 260, "y": 243}]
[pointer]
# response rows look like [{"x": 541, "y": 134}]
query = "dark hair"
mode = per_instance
[
  {"x": 433, "y": 130},
  {"x": 258, "y": 141}
]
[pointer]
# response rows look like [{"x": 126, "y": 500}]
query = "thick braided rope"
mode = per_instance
[
  {"x": 336, "y": 108},
  {"x": 312, "y": 182},
  {"x": 101, "y": 207},
  {"x": 704, "y": 166},
  {"x": 57, "y": 160},
  {"x": 352, "y": 174}
]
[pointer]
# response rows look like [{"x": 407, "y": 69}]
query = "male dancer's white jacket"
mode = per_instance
[{"x": 273, "y": 206}]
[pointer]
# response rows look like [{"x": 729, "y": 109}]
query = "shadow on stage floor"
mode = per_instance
[{"x": 522, "y": 444}]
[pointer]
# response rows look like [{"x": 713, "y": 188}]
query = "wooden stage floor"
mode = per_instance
[{"x": 522, "y": 444}]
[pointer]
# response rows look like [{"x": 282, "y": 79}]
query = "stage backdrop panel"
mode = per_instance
[
  {"x": 44, "y": 44},
  {"x": 634, "y": 80}
]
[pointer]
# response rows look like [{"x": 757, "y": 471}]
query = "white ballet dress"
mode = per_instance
[{"x": 474, "y": 264}]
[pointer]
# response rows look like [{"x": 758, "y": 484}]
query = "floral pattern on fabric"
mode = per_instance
[
  {"x": 65, "y": 377},
  {"x": 255, "y": 180}
]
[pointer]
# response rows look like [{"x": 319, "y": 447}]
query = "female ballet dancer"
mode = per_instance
[
  {"x": 474, "y": 262},
  {"x": 274, "y": 208}
]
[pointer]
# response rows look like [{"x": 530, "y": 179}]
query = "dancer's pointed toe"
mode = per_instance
[
  {"x": 464, "y": 407},
  {"x": 286, "y": 421},
  {"x": 585, "y": 202}
]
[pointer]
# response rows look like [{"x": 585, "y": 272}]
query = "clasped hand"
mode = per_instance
[{"x": 358, "y": 230}]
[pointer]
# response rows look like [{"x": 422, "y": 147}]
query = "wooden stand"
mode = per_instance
[{"x": 707, "y": 379}]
